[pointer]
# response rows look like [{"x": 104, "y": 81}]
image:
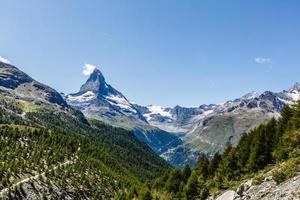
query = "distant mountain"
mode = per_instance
[
  {"x": 99, "y": 100},
  {"x": 208, "y": 128},
  {"x": 180, "y": 134}
]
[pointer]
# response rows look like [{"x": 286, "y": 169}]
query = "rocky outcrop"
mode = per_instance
[
  {"x": 267, "y": 190},
  {"x": 21, "y": 85}
]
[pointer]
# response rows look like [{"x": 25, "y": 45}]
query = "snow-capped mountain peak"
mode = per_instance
[
  {"x": 96, "y": 83},
  {"x": 296, "y": 87},
  {"x": 251, "y": 95},
  {"x": 96, "y": 98}
]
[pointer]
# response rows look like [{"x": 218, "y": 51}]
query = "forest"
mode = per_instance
[{"x": 60, "y": 154}]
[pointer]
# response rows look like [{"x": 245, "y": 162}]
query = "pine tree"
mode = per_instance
[
  {"x": 173, "y": 182},
  {"x": 243, "y": 150},
  {"x": 213, "y": 164},
  {"x": 257, "y": 159},
  {"x": 186, "y": 173},
  {"x": 283, "y": 122},
  {"x": 146, "y": 195},
  {"x": 295, "y": 120},
  {"x": 202, "y": 166},
  {"x": 191, "y": 189}
]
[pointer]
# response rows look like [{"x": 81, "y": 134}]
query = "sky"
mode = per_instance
[{"x": 166, "y": 52}]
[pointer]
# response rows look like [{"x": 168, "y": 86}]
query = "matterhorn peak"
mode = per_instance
[{"x": 95, "y": 83}]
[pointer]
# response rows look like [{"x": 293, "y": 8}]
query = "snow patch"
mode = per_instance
[
  {"x": 204, "y": 114},
  {"x": 251, "y": 95},
  {"x": 120, "y": 102},
  {"x": 158, "y": 110},
  {"x": 89, "y": 95}
]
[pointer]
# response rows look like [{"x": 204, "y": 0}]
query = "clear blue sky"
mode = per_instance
[{"x": 163, "y": 52}]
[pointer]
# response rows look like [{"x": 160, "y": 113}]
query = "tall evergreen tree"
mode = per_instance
[
  {"x": 191, "y": 189},
  {"x": 214, "y": 164},
  {"x": 201, "y": 168},
  {"x": 174, "y": 181},
  {"x": 186, "y": 173}
]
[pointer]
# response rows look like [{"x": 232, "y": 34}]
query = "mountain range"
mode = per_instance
[
  {"x": 209, "y": 128},
  {"x": 180, "y": 134},
  {"x": 96, "y": 143}
]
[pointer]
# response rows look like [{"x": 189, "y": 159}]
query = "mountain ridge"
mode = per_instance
[
  {"x": 208, "y": 128},
  {"x": 97, "y": 99},
  {"x": 190, "y": 130}
]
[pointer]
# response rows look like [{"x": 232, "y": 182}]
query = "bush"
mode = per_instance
[
  {"x": 279, "y": 176},
  {"x": 258, "y": 180}
]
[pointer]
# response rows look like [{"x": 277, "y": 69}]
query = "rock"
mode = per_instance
[
  {"x": 229, "y": 195},
  {"x": 269, "y": 178},
  {"x": 267, "y": 190}
]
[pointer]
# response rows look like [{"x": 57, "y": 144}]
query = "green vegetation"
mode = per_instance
[
  {"x": 31, "y": 151},
  {"x": 63, "y": 155},
  {"x": 275, "y": 143}
]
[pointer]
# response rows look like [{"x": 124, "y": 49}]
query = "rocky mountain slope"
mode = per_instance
[
  {"x": 18, "y": 84},
  {"x": 266, "y": 190},
  {"x": 99, "y": 100},
  {"x": 208, "y": 128},
  {"x": 270, "y": 183}
]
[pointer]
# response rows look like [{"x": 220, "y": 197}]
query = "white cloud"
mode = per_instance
[
  {"x": 262, "y": 60},
  {"x": 88, "y": 69},
  {"x": 4, "y": 60}
]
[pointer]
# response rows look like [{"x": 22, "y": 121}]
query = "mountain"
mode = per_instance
[
  {"x": 180, "y": 134},
  {"x": 53, "y": 152},
  {"x": 99, "y": 100},
  {"x": 263, "y": 165},
  {"x": 208, "y": 128},
  {"x": 17, "y": 83}
]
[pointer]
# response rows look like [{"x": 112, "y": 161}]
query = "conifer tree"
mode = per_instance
[
  {"x": 186, "y": 173},
  {"x": 173, "y": 182},
  {"x": 191, "y": 189},
  {"x": 213, "y": 164},
  {"x": 202, "y": 166}
]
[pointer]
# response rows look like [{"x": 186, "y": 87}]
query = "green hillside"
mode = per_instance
[{"x": 50, "y": 153}]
